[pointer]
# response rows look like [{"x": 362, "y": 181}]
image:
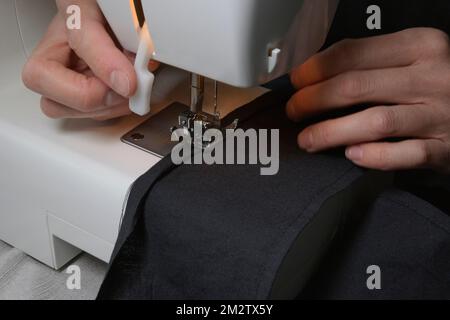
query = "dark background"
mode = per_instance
[{"x": 350, "y": 21}]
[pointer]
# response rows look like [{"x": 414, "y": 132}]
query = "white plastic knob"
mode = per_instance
[
  {"x": 140, "y": 102},
  {"x": 273, "y": 59}
]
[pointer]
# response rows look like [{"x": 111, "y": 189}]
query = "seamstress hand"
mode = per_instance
[
  {"x": 406, "y": 76},
  {"x": 81, "y": 73}
]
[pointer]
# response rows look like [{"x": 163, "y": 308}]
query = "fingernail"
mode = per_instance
[
  {"x": 306, "y": 140},
  {"x": 113, "y": 99},
  {"x": 120, "y": 83},
  {"x": 354, "y": 153}
]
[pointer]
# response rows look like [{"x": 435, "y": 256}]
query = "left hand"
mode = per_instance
[
  {"x": 81, "y": 73},
  {"x": 406, "y": 74}
]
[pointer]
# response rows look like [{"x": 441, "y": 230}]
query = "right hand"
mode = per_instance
[{"x": 81, "y": 73}]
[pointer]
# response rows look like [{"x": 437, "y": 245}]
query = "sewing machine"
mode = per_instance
[
  {"x": 239, "y": 43},
  {"x": 64, "y": 183}
]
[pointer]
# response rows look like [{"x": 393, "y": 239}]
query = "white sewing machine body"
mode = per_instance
[
  {"x": 235, "y": 42},
  {"x": 64, "y": 183}
]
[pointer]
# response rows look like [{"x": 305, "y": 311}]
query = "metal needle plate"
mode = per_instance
[{"x": 154, "y": 135}]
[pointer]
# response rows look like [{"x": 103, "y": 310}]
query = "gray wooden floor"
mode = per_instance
[{"x": 23, "y": 278}]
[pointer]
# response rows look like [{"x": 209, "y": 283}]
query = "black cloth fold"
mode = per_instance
[
  {"x": 406, "y": 237},
  {"x": 222, "y": 231}
]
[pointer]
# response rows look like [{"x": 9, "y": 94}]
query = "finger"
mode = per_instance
[
  {"x": 47, "y": 73},
  {"x": 153, "y": 65},
  {"x": 384, "y": 86},
  {"x": 387, "y": 51},
  {"x": 410, "y": 154},
  {"x": 55, "y": 110},
  {"x": 112, "y": 113},
  {"x": 94, "y": 45},
  {"x": 67, "y": 87},
  {"x": 370, "y": 125}
]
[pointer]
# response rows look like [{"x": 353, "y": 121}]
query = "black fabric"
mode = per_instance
[
  {"x": 406, "y": 237},
  {"x": 397, "y": 233},
  {"x": 186, "y": 236},
  {"x": 221, "y": 232}
]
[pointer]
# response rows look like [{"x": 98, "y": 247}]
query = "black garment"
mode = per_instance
[
  {"x": 406, "y": 237},
  {"x": 416, "y": 242},
  {"x": 226, "y": 236},
  {"x": 222, "y": 232}
]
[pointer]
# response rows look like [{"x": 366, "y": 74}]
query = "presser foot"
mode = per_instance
[
  {"x": 196, "y": 124},
  {"x": 154, "y": 135}
]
